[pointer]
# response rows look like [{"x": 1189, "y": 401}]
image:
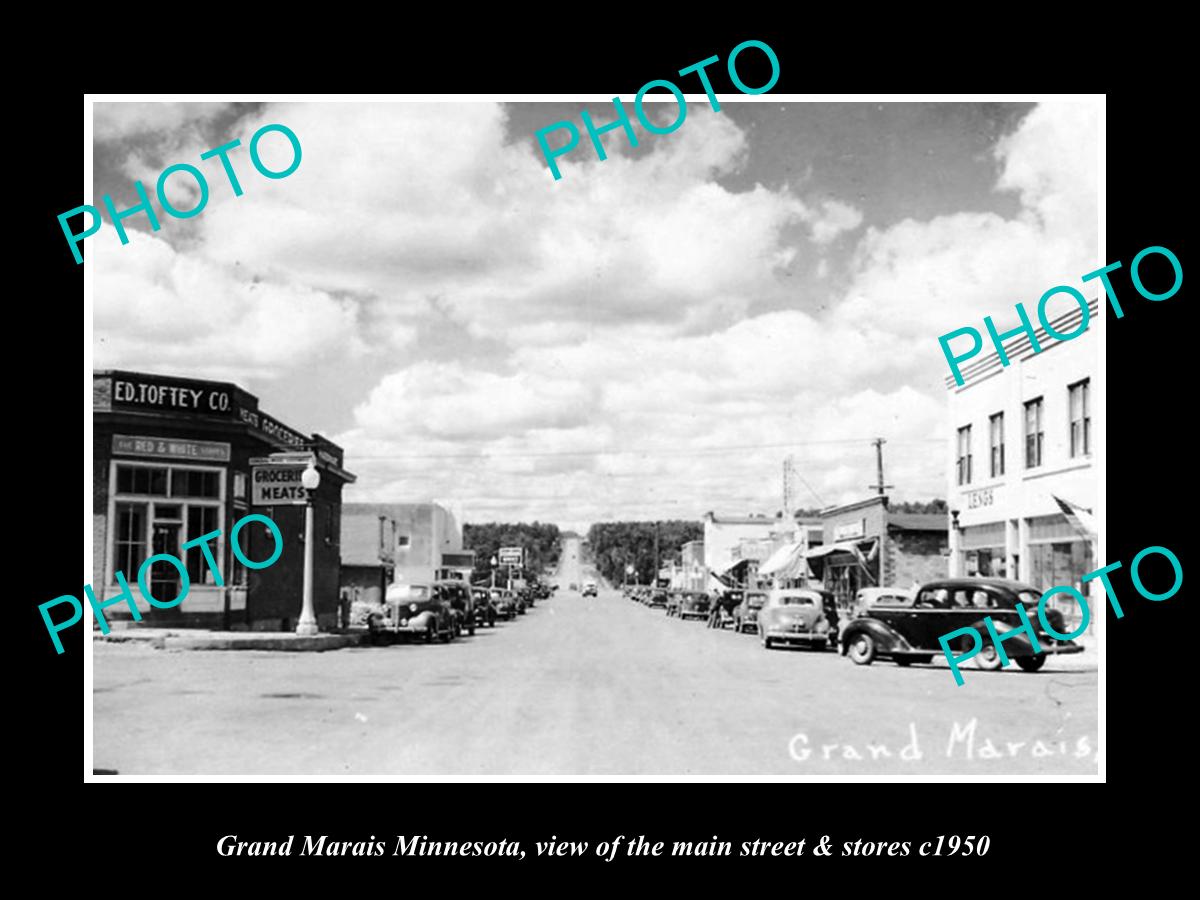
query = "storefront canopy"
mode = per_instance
[
  {"x": 786, "y": 562},
  {"x": 826, "y": 549}
]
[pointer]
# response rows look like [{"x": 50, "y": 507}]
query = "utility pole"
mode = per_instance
[
  {"x": 880, "y": 488},
  {"x": 655, "y": 579},
  {"x": 787, "y": 489}
]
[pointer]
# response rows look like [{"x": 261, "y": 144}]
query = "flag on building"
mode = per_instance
[{"x": 1080, "y": 519}]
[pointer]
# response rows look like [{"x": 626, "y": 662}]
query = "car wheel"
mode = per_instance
[
  {"x": 1031, "y": 663},
  {"x": 988, "y": 659},
  {"x": 446, "y": 635},
  {"x": 471, "y": 629},
  {"x": 861, "y": 649},
  {"x": 765, "y": 641},
  {"x": 430, "y": 633}
]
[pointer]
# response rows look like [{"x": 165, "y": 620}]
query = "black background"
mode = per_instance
[{"x": 1034, "y": 828}]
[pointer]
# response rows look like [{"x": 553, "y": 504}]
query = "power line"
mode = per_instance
[{"x": 696, "y": 451}]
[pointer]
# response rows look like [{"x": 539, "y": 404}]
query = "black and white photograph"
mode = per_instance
[{"x": 746, "y": 436}]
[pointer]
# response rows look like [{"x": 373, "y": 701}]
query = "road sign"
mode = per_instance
[
  {"x": 277, "y": 485},
  {"x": 511, "y": 556}
]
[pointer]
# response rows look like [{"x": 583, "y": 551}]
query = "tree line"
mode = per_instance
[
  {"x": 540, "y": 540},
  {"x": 613, "y": 545}
]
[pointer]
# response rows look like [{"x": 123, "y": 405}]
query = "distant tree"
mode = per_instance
[
  {"x": 912, "y": 506},
  {"x": 617, "y": 544},
  {"x": 541, "y": 541}
]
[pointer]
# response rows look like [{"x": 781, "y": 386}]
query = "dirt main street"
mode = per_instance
[{"x": 601, "y": 686}]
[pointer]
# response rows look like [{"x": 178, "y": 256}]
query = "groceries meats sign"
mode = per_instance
[{"x": 277, "y": 486}]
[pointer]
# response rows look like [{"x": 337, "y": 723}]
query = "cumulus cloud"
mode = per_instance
[
  {"x": 835, "y": 218},
  {"x": 160, "y": 310},
  {"x": 114, "y": 120},
  {"x": 659, "y": 410},
  {"x": 621, "y": 359}
]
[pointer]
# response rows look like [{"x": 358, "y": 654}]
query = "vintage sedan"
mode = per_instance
[
  {"x": 462, "y": 603},
  {"x": 693, "y": 605},
  {"x": 805, "y": 616},
  {"x": 909, "y": 635},
  {"x": 505, "y": 603},
  {"x": 882, "y": 596},
  {"x": 486, "y": 613},
  {"x": 657, "y": 598},
  {"x": 412, "y": 610},
  {"x": 745, "y": 615}
]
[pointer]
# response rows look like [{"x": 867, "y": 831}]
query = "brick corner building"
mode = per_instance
[{"x": 172, "y": 460}]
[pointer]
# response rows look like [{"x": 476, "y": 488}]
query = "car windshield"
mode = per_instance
[
  {"x": 794, "y": 600},
  {"x": 1029, "y": 598}
]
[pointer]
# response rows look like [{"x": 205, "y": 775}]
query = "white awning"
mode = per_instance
[
  {"x": 786, "y": 562},
  {"x": 826, "y": 549}
]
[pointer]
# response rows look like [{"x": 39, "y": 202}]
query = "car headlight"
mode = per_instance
[
  {"x": 412, "y": 607},
  {"x": 403, "y": 622},
  {"x": 822, "y": 625}
]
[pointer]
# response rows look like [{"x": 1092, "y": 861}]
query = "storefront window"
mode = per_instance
[
  {"x": 130, "y": 538},
  {"x": 149, "y": 480},
  {"x": 143, "y": 521},
  {"x": 1059, "y": 563},
  {"x": 202, "y": 520}
]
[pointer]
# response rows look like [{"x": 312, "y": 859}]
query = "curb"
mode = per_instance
[{"x": 176, "y": 641}]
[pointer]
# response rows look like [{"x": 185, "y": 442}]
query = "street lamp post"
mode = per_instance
[
  {"x": 495, "y": 562},
  {"x": 310, "y": 478}
]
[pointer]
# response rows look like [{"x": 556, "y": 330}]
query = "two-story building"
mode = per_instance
[{"x": 1022, "y": 440}]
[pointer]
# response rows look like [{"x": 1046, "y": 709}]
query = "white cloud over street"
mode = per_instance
[{"x": 588, "y": 348}]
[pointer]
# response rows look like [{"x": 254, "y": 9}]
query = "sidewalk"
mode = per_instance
[{"x": 199, "y": 639}]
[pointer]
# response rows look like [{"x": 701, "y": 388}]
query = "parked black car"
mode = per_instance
[
  {"x": 504, "y": 602},
  {"x": 910, "y": 634},
  {"x": 485, "y": 610},
  {"x": 693, "y": 605},
  {"x": 745, "y": 614},
  {"x": 418, "y": 610}
]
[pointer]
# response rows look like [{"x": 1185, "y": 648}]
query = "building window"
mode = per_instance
[
  {"x": 144, "y": 519},
  {"x": 964, "y": 455},
  {"x": 402, "y": 540},
  {"x": 130, "y": 545},
  {"x": 996, "y": 430},
  {"x": 202, "y": 520},
  {"x": 145, "y": 480},
  {"x": 1033, "y": 433},
  {"x": 1081, "y": 417}
]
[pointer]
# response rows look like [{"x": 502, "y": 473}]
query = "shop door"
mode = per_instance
[{"x": 164, "y": 577}]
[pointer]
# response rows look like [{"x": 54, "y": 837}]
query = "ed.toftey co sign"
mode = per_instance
[
  {"x": 158, "y": 395},
  {"x": 277, "y": 485},
  {"x": 511, "y": 556}
]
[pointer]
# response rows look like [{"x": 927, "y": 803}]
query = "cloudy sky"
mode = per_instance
[{"x": 647, "y": 337}]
